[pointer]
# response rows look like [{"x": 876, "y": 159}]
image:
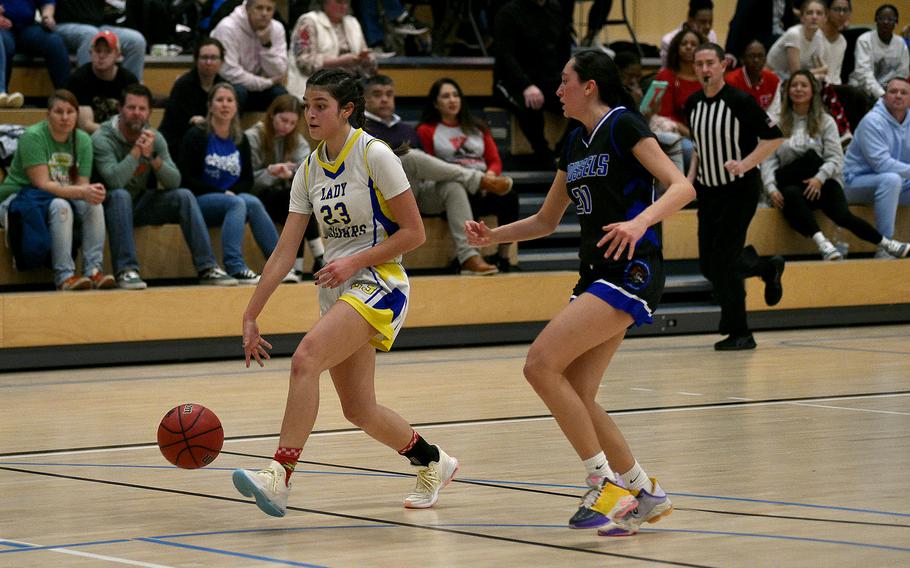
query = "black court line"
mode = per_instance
[
  {"x": 575, "y": 496},
  {"x": 493, "y": 420},
  {"x": 362, "y": 518}
]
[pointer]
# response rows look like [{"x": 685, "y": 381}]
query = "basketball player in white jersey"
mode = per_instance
[{"x": 355, "y": 187}]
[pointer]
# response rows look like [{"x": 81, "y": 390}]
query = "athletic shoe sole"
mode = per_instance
[
  {"x": 249, "y": 489},
  {"x": 408, "y": 505}
]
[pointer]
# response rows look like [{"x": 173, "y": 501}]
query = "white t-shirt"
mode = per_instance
[
  {"x": 808, "y": 50},
  {"x": 348, "y": 196},
  {"x": 877, "y": 62},
  {"x": 834, "y": 57}
]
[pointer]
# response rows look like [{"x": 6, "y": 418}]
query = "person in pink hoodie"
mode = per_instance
[{"x": 256, "y": 53}]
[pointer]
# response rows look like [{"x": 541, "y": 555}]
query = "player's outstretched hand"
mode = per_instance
[
  {"x": 253, "y": 344},
  {"x": 479, "y": 235},
  {"x": 620, "y": 237}
]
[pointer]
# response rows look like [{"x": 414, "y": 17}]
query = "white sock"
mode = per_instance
[
  {"x": 636, "y": 479},
  {"x": 885, "y": 242},
  {"x": 597, "y": 465},
  {"x": 298, "y": 265},
  {"x": 819, "y": 238},
  {"x": 316, "y": 247}
]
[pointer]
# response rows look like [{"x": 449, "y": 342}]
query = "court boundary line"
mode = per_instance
[{"x": 350, "y": 517}]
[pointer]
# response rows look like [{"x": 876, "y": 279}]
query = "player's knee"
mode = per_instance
[
  {"x": 358, "y": 414},
  {"x": 536, "y": 372},
  {"x": 305, "y": 361}
]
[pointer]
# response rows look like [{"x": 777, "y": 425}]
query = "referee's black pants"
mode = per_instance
[{"x": 724, "y": 214}]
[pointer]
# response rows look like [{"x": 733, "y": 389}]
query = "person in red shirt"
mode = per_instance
[
  {"x": 753, "y": 78},
  {"x": 681, "y": 84}
]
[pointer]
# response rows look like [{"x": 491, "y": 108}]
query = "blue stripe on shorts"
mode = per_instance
[{"x": 622, "y": 300}]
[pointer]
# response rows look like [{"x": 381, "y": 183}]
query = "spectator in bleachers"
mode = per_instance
[
  {"x": 256, "y": 53},
  {"x": 327, "y": 37},
  {"x": 801, "y": 46},
  {"x": 852, "y": 98},
  {"x": 805, "y": 173},
  {"x": 880, "y": 54},
  {"x": 597, "y": 18},
  {"x": 450, "y": 132},
  {"x": 19, "y": 29},
  {"x": 187, "y": 103},
  {"x": 79, "y": 22},
  {"x": 753, "y": 78},
  {"x": 681, "y": 84},
  {"x": 439, "y": 186},
  {"x": 764, "y": 20},
  {"x": 7, "y": 99},
  {"x": 216, "y": 165},
  {"x": 50, "y": 173},
  {"x": 532, "y": 44},
  {"x": 629, "y": 65},
  {"x": 877, "y": 165},
  {"x": 133, "y": 159},
  {"x": 99, "y": 84},
  {"x": 699, "y": 18},
  {"x": 403, "y": 23},
  {"x": 277, "y": 148}
]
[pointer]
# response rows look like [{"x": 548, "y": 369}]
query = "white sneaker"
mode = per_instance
[
  {"x": 267, "y": 486},
  {"x": 896, "y": 249},
  {"x": 293, "y": 277},
  {"x": 829, "y": 251},
  {"x": 14, "y": 100},
  {"x": 431, "y": 480}
]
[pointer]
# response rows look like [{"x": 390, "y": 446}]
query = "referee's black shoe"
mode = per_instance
[
  {"x": 736, "y": 343},
  {"x": 774, "y": 288}
]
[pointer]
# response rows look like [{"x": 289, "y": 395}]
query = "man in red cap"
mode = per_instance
[
  {"x": 79, "y": 20},
  {"x": 98, "y": 84}
]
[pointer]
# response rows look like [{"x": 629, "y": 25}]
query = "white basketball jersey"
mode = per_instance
[{"x": 348, "y": 196}]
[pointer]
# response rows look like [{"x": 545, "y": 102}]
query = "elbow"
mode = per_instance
[{"x": 420, "y": 237}]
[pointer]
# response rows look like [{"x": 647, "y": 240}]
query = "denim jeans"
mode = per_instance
[
  {"x": 35, "y": 40},
  {"x": 7, "y": 49},
  {"x": 232, "y": 213},
  {"x": 78, "y": 38},
  {"x": 257, "y": 100},
  {"x": 884, "y": 191},
  {"x": 155, "y": 208},
  {"x": 369, "y": 17},
  {"x": 60, "y": 222}
]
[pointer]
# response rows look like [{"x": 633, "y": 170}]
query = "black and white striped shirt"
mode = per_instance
[{"x": 726, "y": 127}]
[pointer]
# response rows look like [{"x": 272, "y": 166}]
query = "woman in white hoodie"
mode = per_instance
[{"x": 327, "y": 37}]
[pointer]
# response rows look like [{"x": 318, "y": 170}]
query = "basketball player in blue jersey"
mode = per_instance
[
  {"x": 607, "y": 171},
  {"x": 355, "y": 187}
]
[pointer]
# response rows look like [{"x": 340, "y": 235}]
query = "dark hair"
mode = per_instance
[
  {"x": 282, "y": 103},
  {"x": 625, "y": 59},
  {"x": 380, "y": 79},
  {"x": 344, "y": 88},
  {"x": 64, "y": 96},
  {"x": 830, "y": 2},
  {"x": 204, "y": 42},
  {"x": 709, "y": 46},
  {"x": 750, "y": 42},
  {"x": 673, "y": 50},
  {"x": 884, "y": 7},
  {"x": 804, "y": 3},
  {"x": 466, "y": 120},
  {"x": 696, "y": 6},
  {"x": 595, "y": 65},
  {"x": 137, "y": 90},
  {"x": 816, "y": 109}
]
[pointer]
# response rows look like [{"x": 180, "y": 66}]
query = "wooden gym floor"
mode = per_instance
[{"x": 792, "y": 455}]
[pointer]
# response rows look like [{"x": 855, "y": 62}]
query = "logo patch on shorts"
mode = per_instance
[{"x": 637, "y": 275}]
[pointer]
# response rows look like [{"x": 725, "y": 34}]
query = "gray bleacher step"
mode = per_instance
[{"x": 525, "y": 177}]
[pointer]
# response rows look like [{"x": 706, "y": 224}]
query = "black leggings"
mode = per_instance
[{"x": 832, "y": 202}]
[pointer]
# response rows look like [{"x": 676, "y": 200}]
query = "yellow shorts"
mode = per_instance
[{"x": 380, "y": 294}]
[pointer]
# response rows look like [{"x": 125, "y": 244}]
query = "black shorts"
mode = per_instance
[{"x": 634, "y": 287}]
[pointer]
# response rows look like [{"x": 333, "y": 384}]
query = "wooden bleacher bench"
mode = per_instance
[{"x": 412, "y": 75}]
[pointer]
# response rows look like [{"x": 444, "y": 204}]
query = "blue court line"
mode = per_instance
[
  {"x": 274, "y": 530},
  {"x": 13, "y": 544},
  {"x": 71, "y": 545},
  {"x": 231, "y": 553},
  {"x": 504, "y": 484},
  {"x": 783, "y": 537}
]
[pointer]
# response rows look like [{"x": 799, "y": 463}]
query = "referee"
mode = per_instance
[{"x": 732, "y": 135}]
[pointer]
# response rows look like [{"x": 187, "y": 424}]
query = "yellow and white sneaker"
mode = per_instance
[
  {"x": 604, "y": 500},
  {"x": 431, "y": 480},
  {"x": 651, "y": 508}
]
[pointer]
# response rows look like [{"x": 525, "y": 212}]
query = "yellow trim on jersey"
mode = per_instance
[
  {"x": 333, "y": 166},
  {"x": 390, "y": 272},
  {"x": 381, "y": 320}
]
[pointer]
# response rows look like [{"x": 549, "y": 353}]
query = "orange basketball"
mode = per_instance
[{"x": 190, "y": 436}]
